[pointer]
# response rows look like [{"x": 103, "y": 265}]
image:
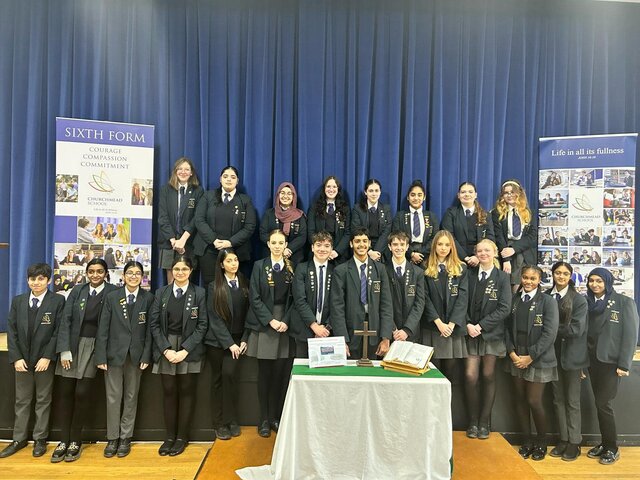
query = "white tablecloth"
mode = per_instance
[{"x": 345, "y": 428}]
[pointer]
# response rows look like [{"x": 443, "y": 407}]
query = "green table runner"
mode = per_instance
[{"x": 353, "y": 371}]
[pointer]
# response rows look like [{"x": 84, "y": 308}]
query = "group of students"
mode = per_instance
[{"x": 466, "y": 286}]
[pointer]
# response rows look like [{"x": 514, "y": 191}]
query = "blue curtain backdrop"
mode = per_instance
[{"x": 441, "y": 90}]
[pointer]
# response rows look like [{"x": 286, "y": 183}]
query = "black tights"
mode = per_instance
[
  {"x": 273, "y": 380},
  {"x": 529, "y": 398},
  {"x": 74, "y": 407},
  {"x": 450, "y": 369},
  {"x": 473, "y": 388},
  {"x": 179, "y": 402}
]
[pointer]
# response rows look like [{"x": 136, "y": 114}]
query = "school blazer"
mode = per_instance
[
  {"x": 120, "y": 333},
  {"x": 317, "y": 223},
  {"x": 413, "y": 299},
  {"x": 496, "y": 303},
  {"x": 543, "y": 328},
  {"x": 572, "y": 336},
  {"x": 403, "y": 221},
  {"x": 45, "y": 329},
  {"x": 360, "y": 218},
  {"x": 168, "y": 211},
  {"x": 194, "y": 322},
  {"x": 261, "y": 292},
  {"x": 457, "y": 293},
  {"x": 455, "y": 221},
  {"x": 296, "y": 240},
  {"x": 73, "y": 316},
  {"x": 616, "y": 343},
  {"x": 528, "y": 243},
  {"x": 305, "y": 300},
  {"x": 347, "y": 313},
  {"x": 242, "y": 226},
  {"x": 218, "y": 334}
]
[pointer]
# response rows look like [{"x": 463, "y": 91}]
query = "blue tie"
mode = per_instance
[
  {"x": 131, "y": 298},
  {"x": 276, "y": 267},
  {"x": 416, "y": 224},
  {"x": 331, "y": 209},
  {"x": 363, "y": 284},
  {"x": 442, "y": 267},
  {"x": 321, "y": 289},
  {"x": 526, "y": 298},
  {"x": 373, "y": 210},
  {"x": 178, "y": 219},
  {"x": 467, "y": 212},
  {"x": 178, "y": 292},
  {"x": 516, "y": 229},
  {"x": 93, "y": 292},
  {"x": 399, "y": 271},
  {"x": 226, "y": 197},
  {"x": 234, "y": 284},
  {"x": 34, "y": 303},
  {"x": 558, "y": 296},
  {"x": 483, "y": 276}
]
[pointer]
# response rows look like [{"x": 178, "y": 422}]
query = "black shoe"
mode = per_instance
[
  {"x": 264, "y": 430},
  {"x": 275, "y": 425},
  {"x": 124, "y": 448},
  {"x": 223, "y": 433},
  {"x": 59, "y": 453},
  {"x": 165, "y": 448},
  {"x": 559, "y": 449},
  {"x": 73, "y": 452},
  {"x": 596, "y": 451},
  {"x": 538, "y": 453},
  {"x": 571, "y": 452},
  {"x": 234, "y": 428},
  {"x": 178, "y": 447},
  {"x": 112, "y": 448},
  {"x": 609, "y": 456},
  {"x": 39, "y": 448},
  {"x": 483, "y": 432},
  {"x": 472, "y": 431},
  {"x": 525, "y": 451},
  {"x": 12, "y": 448}
]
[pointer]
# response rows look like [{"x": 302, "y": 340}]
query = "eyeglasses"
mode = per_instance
[
  {"x": 507, "y": 194},
  {"x": 181, "y": 269},
  {"x": 133, "y": 274}
]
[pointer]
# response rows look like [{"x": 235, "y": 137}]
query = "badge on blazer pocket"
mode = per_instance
[
  {"x": 194, "y": 312},
  {"x": 493, "y": 295},
  {"x": 411, "y": 290},
  {"x": 376, "y": 286},
  {"x": 142, "y": 318},
  {"x": 46, "y": 319},
  {"x": 453, "y": 290},
  {"x": 192, "y": 203},
  {"x": 614, "y": 316},
  {"x": 537, "y": 322}
]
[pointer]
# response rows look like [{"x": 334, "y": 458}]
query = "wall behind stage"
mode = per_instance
[{"x": 444, "y": 90}]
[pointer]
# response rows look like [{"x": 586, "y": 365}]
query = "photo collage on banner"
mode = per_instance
[
  {"x": 104, "y": 198},
  {"x": 586, "y": 204}
]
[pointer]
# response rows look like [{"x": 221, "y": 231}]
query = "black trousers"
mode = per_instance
[
  {"x": 604, "y": 383},
  {"x": 224, "y": 396},
  {"x": 179, "y": 404}
]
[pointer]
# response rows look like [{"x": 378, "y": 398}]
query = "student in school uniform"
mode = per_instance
[
  {"x": 421, "y": 225},
  {"x": 468, "y": 222},
  {"x": 311, "y": 317},
  {"x": 176, "y": 211},
  {"x": 572, "y": 357},
  {"x": 611, "y": 342},
  {"x": 515, "y": 229},
  {"x": 77, "y": 368},
  {"x": 268, "y": 322},
  {"x": 226, "y": 340},
  {"x": 407, "y": 290},
  {"x": 375, "y": 217},
  {"x": 123, "y": 351},
  {"x": 489, "y": 307},
  {"x": 32, "y": 328},
  {"x": 331, "y": 213},
  {"x": 286, "y": 216},
  {"x": 444, "y": 321},
  {"x": 178, "y": 323},
  {"x": 531, "y": 332},
  {"x": 225, "y": 218},
  {"x": 360, "y": 291}
]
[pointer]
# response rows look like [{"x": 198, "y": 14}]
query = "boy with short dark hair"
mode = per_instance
[{"x": 31, "y": 335}]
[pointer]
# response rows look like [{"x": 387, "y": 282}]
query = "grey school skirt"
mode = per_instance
[
  {"x": 532, "y": 374},
  {"x": 270, "y": 345},
  {"x": 164, "y": 367},
  {"x": 454, "y": 346},
  {"x": 83, "y": 365},
  {"x": 479, "y": 347}
]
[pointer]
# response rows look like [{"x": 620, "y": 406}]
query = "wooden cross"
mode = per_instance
[{"x": 364, "y": 333}]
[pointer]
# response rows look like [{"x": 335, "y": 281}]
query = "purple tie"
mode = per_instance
[
  {"x": 321, "y": 289},
  {"x": 399, "y": 271},
  {"x": 416, "y": 224},
  {"x": 363, "y": 284}
]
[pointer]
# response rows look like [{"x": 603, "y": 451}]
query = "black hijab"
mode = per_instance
[{"x": 607, "y": 277}]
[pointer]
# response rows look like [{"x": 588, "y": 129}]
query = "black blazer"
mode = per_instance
[
  {"x": 572, "y": 334},
  {"x": 305, "y": 300},
  {"x": 360, "y": 218},
  {"x": 528, "y": 243},
  {"x": 242, "y": 227},
  {"x": 455, "y": 221},
  {"x": 297, "y": 239},
  {"x": 120, "y": 334},
  {"x": 457, "y": 291},
  {"x": 402, "y": 221},
  {"x": 340, "y": 236},
  {"x": 347, "y": 313},
  {"x": 45, "y": 329},
  {"x": 543, "y": 328},
  {"x": 218, "y": 334},
  {"x": 194, "y": 322},
  {"x": 616, "y": 343},
  {"x": 413, "y": 299},
  {"x": 168, "y": 210},
  {"x": 496, "y": 303},
  {"x": 261, "y": 291},
  {"x": 74, "y": 312}
]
